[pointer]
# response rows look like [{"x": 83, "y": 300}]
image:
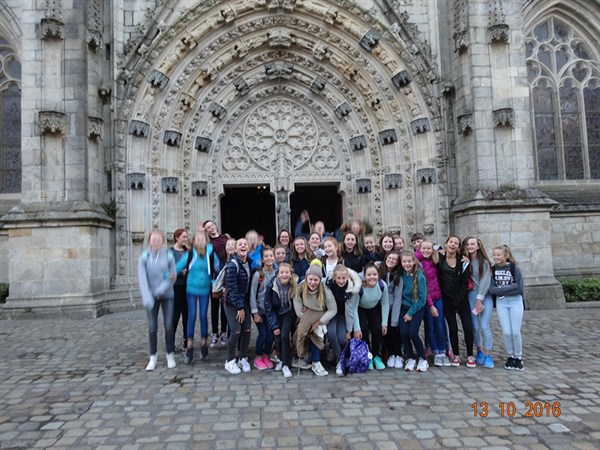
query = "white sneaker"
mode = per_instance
[
  {"x": 446, "y": 361},
  {"x": 339, "y": 371},
  {"x": 171, "y": 361},
  {"x": 244, "y": 365},
  {"x": 286, "y": 372},
  {"x": 437, "y": 361},
  {"x": 410, "y": 365},
  {"x": 320, "y": 331},
  {"x": 279, "y": 366},
  {"x": 232, "y": 367},
  {"x": 318, "y": 369},
  {"x": 152, "y": 364},
  {"x": 423, "y": 365},
  {"x": 399, "y": 362},
  {"x": 391, "y": 362}
]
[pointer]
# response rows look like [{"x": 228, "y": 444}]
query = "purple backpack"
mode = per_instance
[{"x": 355, "y": 357}]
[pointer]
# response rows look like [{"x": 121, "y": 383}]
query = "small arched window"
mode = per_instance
[
  {"x": 10, "y": 120},
  {"x": 565, "y": 93}
]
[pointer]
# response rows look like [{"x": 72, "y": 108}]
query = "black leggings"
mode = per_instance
[
  {"x": 465, "y": 317},
  {"x": 216, "y": 304},
  {"x": 283, "y": 341},
  {"x": 370, "y": 324},
  {"x": 180, "y": 310},
  {"x": 392, "y": 340}
]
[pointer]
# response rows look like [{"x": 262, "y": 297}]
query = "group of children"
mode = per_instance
[{"x": 313, "y": 292}]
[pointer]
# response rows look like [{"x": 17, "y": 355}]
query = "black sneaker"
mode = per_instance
[
  {"x": 204, "y": 352},
  {"x": 510, "y": 363},
  {"x": 189, "y": 356},
  {"x": 518, "y": 365}
]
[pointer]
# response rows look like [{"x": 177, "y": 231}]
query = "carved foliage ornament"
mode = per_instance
[{"x": 52, "y": 122}]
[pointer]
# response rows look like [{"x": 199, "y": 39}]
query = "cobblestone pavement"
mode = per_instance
[{"x": 83, "y": 384}]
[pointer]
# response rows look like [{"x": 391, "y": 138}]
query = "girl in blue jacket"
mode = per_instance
[
  {"x": 202, "y": 265},
  {"x": 408, "y": 315}
]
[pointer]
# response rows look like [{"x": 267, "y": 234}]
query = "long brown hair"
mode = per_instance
[
  {"x": 481, "y": 255},
  {"x": 293, "y": 289},
  {"x": 414, "y": 272}
]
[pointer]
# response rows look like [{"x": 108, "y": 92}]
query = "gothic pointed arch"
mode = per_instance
[
  {"x": 564, "y": 75},
  {"x": 254, "y": 91}
]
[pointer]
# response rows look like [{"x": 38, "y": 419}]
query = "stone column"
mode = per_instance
[
  {"x": 497, "y": 200},
  {"x": 59, "y": 235}
]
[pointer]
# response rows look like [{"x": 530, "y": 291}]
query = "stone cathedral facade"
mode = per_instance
[{"x": 472, "y": 117}]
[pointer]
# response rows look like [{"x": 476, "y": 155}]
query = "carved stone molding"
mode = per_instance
[
  {"x": 428, "y": 228},
  {"x": 363, "y": 185},
  {"x": 138, "y": 236},
  {"x": 464, "y": 124},
  {"x": 279, "y": 69},
  {"x": 461, "y": 33},
  {"x": 217, "y": 110},
  {"x": 318, "y": 85},
  {"x": 426, "y": 176},
  {"x": 358, "y": 143},
  {"x": 158, "y": 79},
  {"x": 52, "y": 122},
  {"x": 370, "y": 40},
  {"x": 95, "y": 128},
  {"x": 420, "y": 125},
  {"x": 199, "y": 188},
  {"x": 241, "y": 86},
  {"x": 498, "y": 30},
  {"x": 503, "y": 117},
  {"x": 95, "y": 40},
  {"x": 139, "y": 128},
  {"x": 498, "y": 33},
  {"x": 343, "y": 110},
  {"x": 170, "y": 185},
  {"x": 387, "y": 137},
  {"x": 136, "y": 181},
  {"x": 202, "y": 144},
  {"x": 393, "y": 181},
  {"x": 172, "y": 138},
  {"x": 401, "y": 79},
  {"x": 52, "y": 28},
  {"x": 104, "y": 92}
]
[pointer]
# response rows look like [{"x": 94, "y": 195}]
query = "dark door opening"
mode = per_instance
[
  {"x": 247, "y": 208},
  {"x": 322, "y": 203}
]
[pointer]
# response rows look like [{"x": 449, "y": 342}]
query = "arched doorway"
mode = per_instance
[
  {"x": 322, "y": 203},
  {"x": 248, "y": 207}
]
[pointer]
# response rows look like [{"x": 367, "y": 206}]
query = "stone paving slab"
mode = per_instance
[{"x": 83, "y": 384}]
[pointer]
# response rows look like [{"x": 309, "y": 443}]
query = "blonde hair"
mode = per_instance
[
  {"x": 293, "y": 289},
  {"x": 435, "y": 256},
  {"x": 200, "y": 251},
  {"x": 305, "y": 292},
  {"x": 507, "y": 253}
]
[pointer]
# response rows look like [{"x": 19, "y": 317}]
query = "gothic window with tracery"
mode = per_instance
[
  {"x": 565, "y": 93},
  {"x": 10, "y": 120}
]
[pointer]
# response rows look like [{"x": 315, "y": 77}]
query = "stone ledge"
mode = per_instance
[
  {"x": 56, "y": 214},
  {"x": 503, "y": 198},
  {"x": 580, "y": 305}
]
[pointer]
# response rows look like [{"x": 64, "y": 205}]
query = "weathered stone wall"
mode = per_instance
[{"x": 576, "y": 244}]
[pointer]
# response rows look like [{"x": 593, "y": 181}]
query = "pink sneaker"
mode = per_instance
[
  {"x": 267, "y": 362},
  {"x": 259, "y": 364}
]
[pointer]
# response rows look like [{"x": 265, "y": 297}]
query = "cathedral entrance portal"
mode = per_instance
[
  {"x": 323, "y": 202},
  {"x": 248, "y": 207}
]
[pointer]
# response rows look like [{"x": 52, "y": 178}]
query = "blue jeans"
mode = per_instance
[
  {"x": 264, "y": 340},
  {"x": 409, "y": 333},
  {"x": 152, "y": 314},
  {"x": 482, "y": 323},
  {"x": 336, "y": 333},
  {"x": 192, "y": 302},
  {"x": 436, "y": 328},
  {"x": 510, "y": 315},
  {"x": 314, "y": 351}
]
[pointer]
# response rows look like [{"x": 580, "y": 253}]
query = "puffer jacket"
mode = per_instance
[
  {"x": 434, "y": 292},
  {"x": 347, "y": 299},
  {"x": 237, "y": 282}
]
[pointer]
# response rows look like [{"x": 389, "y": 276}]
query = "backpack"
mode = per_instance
[
  {"x": 218, "y": 287},
  {"x": 355, "y": 357}
]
